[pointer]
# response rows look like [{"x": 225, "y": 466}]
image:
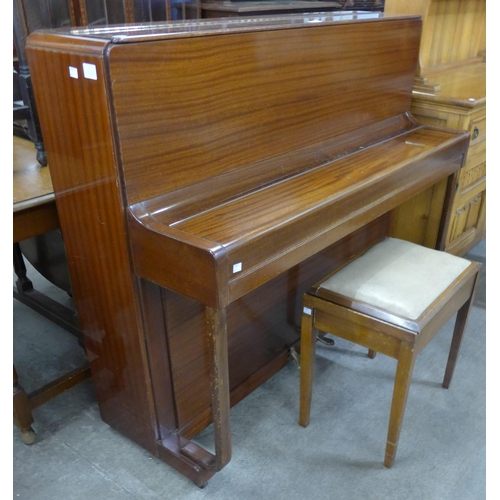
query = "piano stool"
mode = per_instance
[{"x": 393, "y": 299}]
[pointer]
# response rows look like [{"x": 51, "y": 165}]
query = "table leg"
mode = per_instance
[{"x": 23, "y": 418}]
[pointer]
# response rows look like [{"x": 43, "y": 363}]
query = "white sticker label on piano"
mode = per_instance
[
  {"x": 73, "y": 72},
  {"x": 307, "y": 311},
  {"x": 89, "y": 71},
  {"x": 237, "y": 267}
]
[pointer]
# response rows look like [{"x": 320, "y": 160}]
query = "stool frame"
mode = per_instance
[{"x": 380, "y": 331}]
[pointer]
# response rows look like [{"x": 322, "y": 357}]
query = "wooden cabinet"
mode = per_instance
[
  {"x": 450, "y": 91},
  {"x": 468, "y": 217}
]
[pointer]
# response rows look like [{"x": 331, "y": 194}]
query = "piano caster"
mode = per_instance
[{"x": 325, "y": 340}]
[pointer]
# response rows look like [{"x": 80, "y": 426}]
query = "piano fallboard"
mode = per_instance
[{"x": 251, "y": 232}]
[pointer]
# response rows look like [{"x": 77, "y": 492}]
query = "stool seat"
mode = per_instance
[
  {"x": 393, "y": 299},
  {"x": 397, "y": 276}
]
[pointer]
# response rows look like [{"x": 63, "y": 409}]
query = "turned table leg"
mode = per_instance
[{"x": 23, "y": 417}]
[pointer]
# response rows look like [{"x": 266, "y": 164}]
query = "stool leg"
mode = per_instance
[
  {"x": 458, "y": 332},
  {"x": 307, "y": 355},
  {"x": 402, "y": 382}
]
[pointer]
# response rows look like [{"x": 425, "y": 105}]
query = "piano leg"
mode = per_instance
[
  {"x": 219, "y": 379},
  {"x": 216, "y": 329}
]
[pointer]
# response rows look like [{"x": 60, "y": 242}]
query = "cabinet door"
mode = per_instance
[{"x": 468, "y": 222}]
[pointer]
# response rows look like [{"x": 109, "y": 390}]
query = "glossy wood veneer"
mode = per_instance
[
  {"x": 83, "y": 175},
  {"x": 204, "y": 117}
]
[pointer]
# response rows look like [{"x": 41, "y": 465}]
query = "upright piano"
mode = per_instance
[{"x": 206, "y": 173}]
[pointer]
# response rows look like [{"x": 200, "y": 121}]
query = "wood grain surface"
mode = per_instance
[{"x": 278, "y": 144}]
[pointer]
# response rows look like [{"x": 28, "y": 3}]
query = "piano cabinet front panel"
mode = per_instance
[{"x": 262, "y": 326}]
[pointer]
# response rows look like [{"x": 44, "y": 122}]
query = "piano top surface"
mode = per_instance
[{"x": 137, "y": 32}]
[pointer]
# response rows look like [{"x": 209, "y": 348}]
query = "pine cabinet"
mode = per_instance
[{"x": 450, "y": 91}]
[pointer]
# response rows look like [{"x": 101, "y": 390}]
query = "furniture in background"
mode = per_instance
[
  {"x": 239, "y": 8},
  {"x": 25, "y": 112},
  {"x": 35, "y": 214},
  {"x": 32, "y": 15},
  {"x": 393, "y": 299},
  {"x": 450, "y": 91},
  {"x": 35, "y": 220},
  {"x": 377, "y": 5}
]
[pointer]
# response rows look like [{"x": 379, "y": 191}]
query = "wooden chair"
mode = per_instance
[{"x": 393, "y": 299}]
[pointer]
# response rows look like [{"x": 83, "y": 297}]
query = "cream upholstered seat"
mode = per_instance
[{"x": 393, "y": 299}]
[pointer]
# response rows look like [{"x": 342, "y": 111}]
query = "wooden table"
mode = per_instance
[
  {"x": 34, "y": 207},
  {"x": 35, "y": 213}
]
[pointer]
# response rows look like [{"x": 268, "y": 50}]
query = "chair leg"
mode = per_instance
[
  {"x": 458, "y": 332},
  {"x": 402, "y": 382},
  {"x": 371, "y": 353},
  {"x": 307, "y": 355}
]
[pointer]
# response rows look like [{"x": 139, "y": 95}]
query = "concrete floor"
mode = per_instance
[{"x": 441, "y": 456}]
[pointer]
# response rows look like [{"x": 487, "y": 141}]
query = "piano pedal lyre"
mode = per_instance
[
  {"x": 320, "y": 338},
  {"x": 295, "y": 356}
]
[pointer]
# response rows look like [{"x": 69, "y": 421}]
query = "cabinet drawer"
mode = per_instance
[
  {"x": 477, "y": 127},
  {"x": 474, "y": 170},
  {"x": 476, "y": 148}
]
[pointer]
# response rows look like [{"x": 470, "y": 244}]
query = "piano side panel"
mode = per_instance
[
  {"x": 76, "y": 130},
  {"x": 211, "y": 104}
]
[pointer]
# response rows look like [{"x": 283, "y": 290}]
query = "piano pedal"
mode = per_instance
[
  {"x": 295, "y": 356},
  {"x": 321, "y": 337}
]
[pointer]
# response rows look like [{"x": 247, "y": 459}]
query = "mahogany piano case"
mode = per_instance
[{"x": 206, "y": 174}]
